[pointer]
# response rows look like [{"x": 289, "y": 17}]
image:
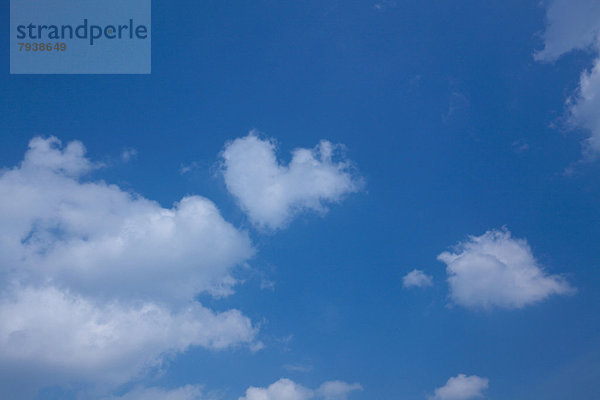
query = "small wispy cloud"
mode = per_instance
[
  {"x": 267, "y": 284},
  {"x": 417, "y": 278},
  {"x": 298, "y": 367},
  {"x": 186, "y": 168},
  {"x": 461, "y": 387},
  {"x": 384, "y": 4},
  {"x": 128, "y": 154},
  {"x": 520, "y": 146}
]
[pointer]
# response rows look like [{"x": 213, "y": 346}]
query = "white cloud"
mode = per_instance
[
  {"x": 337, "y": 390},
  {"x": 44, "y": 156},
  {"x": 417, "y": 278},
  {"x": 583, "y": 108},
  {"x": 188, "y": 392},
  {"x": 74, "y": 337},
  {"x": 271, "y": 193},
  {"x": 285, "y": 389},
  {"x": 98, "y": 239},
  {"x": 461, "y": 387},
  {"x": 98, "y": 284},
  {"x": 575, "y": 25},
  {"x": 495, "y": 270},
  {"x": 570, "y": 25}
]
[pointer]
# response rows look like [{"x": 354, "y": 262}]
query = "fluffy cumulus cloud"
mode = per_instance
[
  {"x": 97, "y": 238},
  {"x": 461, "y": 387},
  {"x": 97, "y": 283},
  {"x": 336, "y": 390},
  {"x": 271, "y": 193},
  {"x": 496, "y": 270},
  {"x": 285, "y": 389},
  {"x": 575, "y": 25},
  {"x": 73, "y": 337},
  {"x": 188, "y": 392},
  {"x": 570, "y": 25},
  {"x": 416, "y": 278}
]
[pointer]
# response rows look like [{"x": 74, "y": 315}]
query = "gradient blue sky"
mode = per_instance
[{"x": 453, "y": 125}]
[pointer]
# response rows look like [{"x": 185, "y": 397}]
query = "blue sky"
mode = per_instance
[{"x": 246, "y": 221}]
